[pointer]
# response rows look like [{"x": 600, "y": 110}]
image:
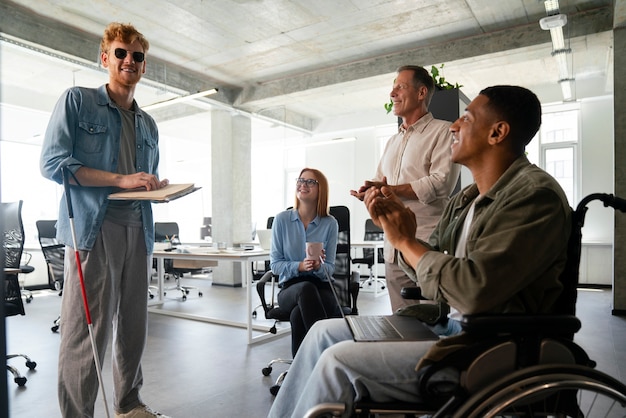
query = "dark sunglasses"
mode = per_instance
[{"x": 121, "y": 53}]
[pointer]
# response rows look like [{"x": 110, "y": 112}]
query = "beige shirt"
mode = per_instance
[{"x": 420, "y": 156}]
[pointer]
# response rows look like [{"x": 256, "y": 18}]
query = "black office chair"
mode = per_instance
[
  {"x": 54, "y": 254},
  {"x": 26, "y": 268},
  {"x": 372, "y": 233},
  {"x": 257, "y": 273},
  {"x": 520, "y": 365},
  {"x": 13, "y": 244},
  {"x": 346, "y": 285},
  {"x": 168, "y": 231}
]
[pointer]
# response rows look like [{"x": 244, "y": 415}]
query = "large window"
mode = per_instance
[{"x": 555, "y": 148}]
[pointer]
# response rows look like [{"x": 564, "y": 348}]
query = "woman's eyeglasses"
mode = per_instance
[
  {"x": 121, "y": 53},
  {"x": 308, "y": 182}
]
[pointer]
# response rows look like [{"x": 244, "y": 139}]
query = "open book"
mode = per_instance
[{"x": 164, "y": 194}]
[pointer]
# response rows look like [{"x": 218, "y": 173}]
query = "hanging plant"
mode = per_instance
[
  {"x": 440, "y": 81},
  {"x": 440, "y": 84}
]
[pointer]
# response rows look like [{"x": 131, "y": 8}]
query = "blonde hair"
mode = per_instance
[
  {"x": 124, "y": 32},
  {"x": 322, "y": 191}
]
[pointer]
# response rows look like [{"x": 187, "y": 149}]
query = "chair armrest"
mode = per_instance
[
  {"x": 520, "y": 324},
  {"x": 260, "y": 289},
  {"x": 412, "y": 293}
]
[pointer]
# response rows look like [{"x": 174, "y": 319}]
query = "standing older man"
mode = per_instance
[{"x": 415, "y": 165}]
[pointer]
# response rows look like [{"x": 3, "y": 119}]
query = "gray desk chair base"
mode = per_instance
[
  {"x": 183, "y": 289},
  {"x": 279, "y": 381},
  {"x": 17, "y": 377}
]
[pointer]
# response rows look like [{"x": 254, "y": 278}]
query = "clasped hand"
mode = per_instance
[
  {"x": 311, "y": 264},
  {"x": 389, "y": 213},
  {"x": 360, "y": 194}
]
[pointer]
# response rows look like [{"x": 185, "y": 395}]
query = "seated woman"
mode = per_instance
[{"x": 305, "y": 291}]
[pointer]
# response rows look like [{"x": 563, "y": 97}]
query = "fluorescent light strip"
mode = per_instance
[
  {"x": 180, "y": 99},
  {"x": 558, "y": 41},
  {"x": 566, "y": 89},
  {"x": 551, "y": 6},
  {"x": 561, "y": 62}
]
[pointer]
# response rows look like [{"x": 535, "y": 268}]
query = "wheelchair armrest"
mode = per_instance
[
  {"x": 521, "y": 324},
  {"x": 412, "y": 293}
]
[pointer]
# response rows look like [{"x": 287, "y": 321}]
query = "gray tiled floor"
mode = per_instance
[{"x": 195, "y": 369}]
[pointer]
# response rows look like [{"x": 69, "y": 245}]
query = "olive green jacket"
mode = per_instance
[{"x": 516, "y": 247}]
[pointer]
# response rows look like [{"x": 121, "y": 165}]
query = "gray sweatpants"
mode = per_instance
[{"x": 116, "y": 273}]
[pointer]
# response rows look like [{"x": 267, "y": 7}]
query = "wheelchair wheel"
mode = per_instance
[{"x": 549, "y": 391}]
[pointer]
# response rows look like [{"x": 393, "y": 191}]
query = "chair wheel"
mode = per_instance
[
  {"x": 200, "y": 294},
  {"x": 186, "y": 291},
  {"x": 254, "y": 314},
  {"x": 21, "y": 381},
  {"x": 55, "y": 328},
  {"x": 31, "y": 364},
  {"x": 273, "y": 329},
  {"x": 184, "y": 297},
  {"x": 274, "y": 390},
  {"x": 266, "y": 371}
]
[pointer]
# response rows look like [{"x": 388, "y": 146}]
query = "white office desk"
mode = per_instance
[
  {"x": 374, "y": 245},
  {"x": 246, "y": 258}
]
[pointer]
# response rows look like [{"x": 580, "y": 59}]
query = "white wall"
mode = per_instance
[
  {"x": 186, "y": 158},
  {"x": 597, "y": 166}
]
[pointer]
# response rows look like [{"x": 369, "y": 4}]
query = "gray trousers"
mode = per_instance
[
  {"x": 116, "y": 273},
  {"x": 396, "y": 279}
]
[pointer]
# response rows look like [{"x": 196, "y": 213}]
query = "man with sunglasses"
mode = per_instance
[{"x": 107, "y": 143}]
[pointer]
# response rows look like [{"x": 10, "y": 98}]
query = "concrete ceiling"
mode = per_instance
[{"x": 303, "y": 62}]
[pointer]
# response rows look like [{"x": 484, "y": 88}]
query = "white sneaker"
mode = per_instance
[{"x": 142, "y": 411}]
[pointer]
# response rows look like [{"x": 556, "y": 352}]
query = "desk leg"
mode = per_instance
[
  {"x": 375, "y": 272},
  {"x": 161, "y": 278},
  {"x": 246, "y": 274}
]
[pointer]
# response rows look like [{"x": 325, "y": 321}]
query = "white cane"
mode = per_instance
[{"x": 94, "y": 348}]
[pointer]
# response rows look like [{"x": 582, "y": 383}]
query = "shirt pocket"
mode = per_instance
[{"x": 92, "y": 137}]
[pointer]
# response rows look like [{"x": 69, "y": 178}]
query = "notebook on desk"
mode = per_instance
[{"x": 383, "y": 327}]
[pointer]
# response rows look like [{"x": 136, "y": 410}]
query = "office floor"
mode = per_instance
[{"x": 195, "y": 369}]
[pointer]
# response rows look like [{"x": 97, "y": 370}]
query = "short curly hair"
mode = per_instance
[{"x": 124, "y": 32}]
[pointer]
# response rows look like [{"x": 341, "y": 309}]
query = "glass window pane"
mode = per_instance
[
  {"x": 559, "y": 127},
  {"x": 532, "y": 151},
  {"x": 559, "y": 162}
]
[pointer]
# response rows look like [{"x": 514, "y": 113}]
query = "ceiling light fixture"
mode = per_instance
[
  {"x": 554, "y": 22},
  {"x": 179, "y": 99}
]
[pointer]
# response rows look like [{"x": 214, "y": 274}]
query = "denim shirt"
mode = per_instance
[
  {"x": 84, "y": 130},
  {"x": 289, "y": 240}
]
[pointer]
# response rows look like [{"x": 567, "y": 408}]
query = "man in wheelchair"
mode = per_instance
[{"x": 499, "y": 248}]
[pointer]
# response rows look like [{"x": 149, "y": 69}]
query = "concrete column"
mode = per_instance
[
  {"x": 231, "y": 137},
  {"x": 619, "y": 103}
]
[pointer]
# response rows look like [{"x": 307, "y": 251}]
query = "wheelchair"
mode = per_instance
[{"x": 518, "y": 365}]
